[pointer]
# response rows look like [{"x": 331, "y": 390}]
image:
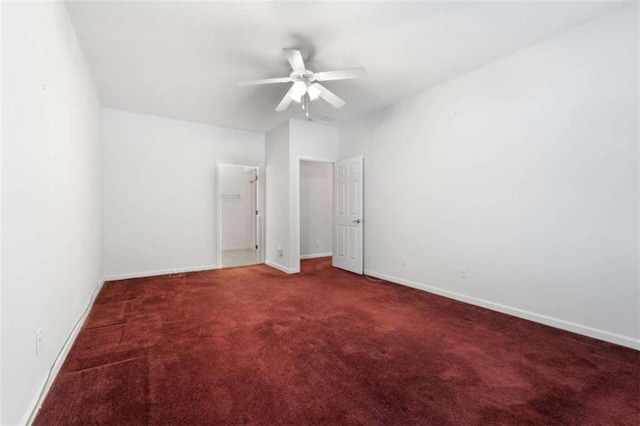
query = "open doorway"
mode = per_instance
[
  {"x": 239, "y": 224},
  {"x": 316, "y": 209}
]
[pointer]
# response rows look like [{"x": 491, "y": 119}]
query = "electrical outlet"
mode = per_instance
[
  {"x": 38, "y": 340},
  {"x": 464, "y": 273},
  {"x": 403, "y": 261},
  {"x": 318, "y": 241},
  {"x": 280, "y": 252}
]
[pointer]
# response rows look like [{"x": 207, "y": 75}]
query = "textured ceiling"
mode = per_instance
[{"x": 182, "y": 59}]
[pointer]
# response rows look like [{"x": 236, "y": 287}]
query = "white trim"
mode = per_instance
[
  {"x": 160, "y": 272},
  {"x": 313, "y": 256},
  {"x": 618, "y": 339},
  {"x": 251, "y": 246},
  {"x": 39, "y": 398},
  {"x": 316, "y": 159},
  {"x": 282, "y": 268}
]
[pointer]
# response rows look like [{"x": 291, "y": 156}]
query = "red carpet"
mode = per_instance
[{"x": 253, "y": 345}]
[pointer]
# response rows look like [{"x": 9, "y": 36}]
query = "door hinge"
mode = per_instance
[
  {"x": 256, "y": 212},
  {"x": 256, "y": 247}
]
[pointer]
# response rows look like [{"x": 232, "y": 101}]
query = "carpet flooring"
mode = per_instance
[{"x": 255, "y": 346}]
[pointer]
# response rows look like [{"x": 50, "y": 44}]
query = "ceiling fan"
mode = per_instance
[{"x": 306, "y": 86}]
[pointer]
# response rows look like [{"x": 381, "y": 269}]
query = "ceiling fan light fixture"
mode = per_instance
[
  {"x": 314, "y": 92},
  {"x": 305, "y": 87},
  {"x": 298, "y": 91}
]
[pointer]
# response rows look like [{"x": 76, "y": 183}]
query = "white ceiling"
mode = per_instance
[{"x": 182, "y": 59}]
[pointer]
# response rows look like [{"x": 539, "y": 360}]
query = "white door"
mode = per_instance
[
  {"x": 347, "y": 214},
  {"x": 256, "y": 225}
]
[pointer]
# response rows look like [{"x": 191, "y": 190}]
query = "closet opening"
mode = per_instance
[
  {"x": 239, "y": 216},
  {"x": 316, "y": 209}
]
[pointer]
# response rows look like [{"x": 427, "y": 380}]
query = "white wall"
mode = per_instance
[
  {"x": 292, "y": 141},
  {"x": 1, "y": 399},
  {"x": 238, "y": 214},
  {"x": 51, "y": 195},
  {"x": 277, "y": 197},
  {"x": 525, "y": 172},
  {"x": 316, "y": 212},
  {"x": 160, "y": 210}
]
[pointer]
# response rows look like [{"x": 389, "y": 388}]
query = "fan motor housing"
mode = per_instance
[{"x": 305, "y": 76}]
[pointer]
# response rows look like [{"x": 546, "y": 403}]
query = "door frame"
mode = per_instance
[
  {"x": 259, "y": 203},
  {"x": 294, "y": 260},
  {"x": 332, "y": 163}
]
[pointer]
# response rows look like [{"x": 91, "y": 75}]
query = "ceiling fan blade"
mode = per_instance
[
  {"x": 286, "y": 101},
  {"x": 341, "y": 74},
  {"x": 295, "y": 59},
  {"x": 329, "y": 96},
  {"x": 264, "y": 81}
]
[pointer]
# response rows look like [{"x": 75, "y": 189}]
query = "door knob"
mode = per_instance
[{"x": 356, "y": 221}]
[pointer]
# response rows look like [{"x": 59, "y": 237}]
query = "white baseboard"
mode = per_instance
[
  {"x": 618, "y": 339},
  {"x": 39, "y": 398},
  {"x": 239, "y": 247},
  {"x": 160, "y": 272},
  {"x": 282, "y": 268},
  {"x": 313, "y": 256}
]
